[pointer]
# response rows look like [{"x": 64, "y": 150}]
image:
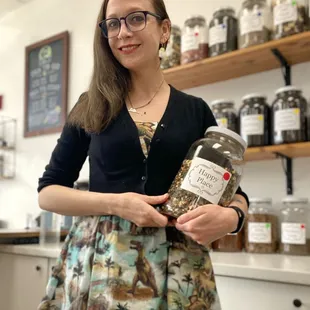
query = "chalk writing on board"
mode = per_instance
[{"x": 45, "y": 92}]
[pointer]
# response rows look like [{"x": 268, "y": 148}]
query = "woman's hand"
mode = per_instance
[
  {"x": 138, "y": 209},
  {"x": 207, "y": 223}
]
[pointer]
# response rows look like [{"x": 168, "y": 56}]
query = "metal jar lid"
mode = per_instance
[
  {"x": 221, "y": 101},
  {"x": 295, "y": 200},
  {"x": 253, "y": 95},
  {"x": 195, "y": 18},
  {"x": 287, "y": 89},
  {"x": 225, "y": 8},
  {"x": 229, "y": 133},
  {"x": 264, "y": 200}
]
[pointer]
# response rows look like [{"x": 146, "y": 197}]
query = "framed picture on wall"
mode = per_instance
[{"x": 46, "y": 89}]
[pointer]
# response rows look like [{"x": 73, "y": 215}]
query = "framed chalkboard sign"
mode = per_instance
[{"x": 46, "y": 90}]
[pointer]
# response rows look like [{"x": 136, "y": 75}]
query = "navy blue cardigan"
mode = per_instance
[{"x": 117, "y": 162}]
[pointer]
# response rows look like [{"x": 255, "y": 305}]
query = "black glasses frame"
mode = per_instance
[{"x": 125, "y": 19}]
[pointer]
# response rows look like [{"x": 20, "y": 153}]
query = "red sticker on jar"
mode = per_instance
[
  {"x": 303, "y": 226},
  {"x": 226, "y": 176}
]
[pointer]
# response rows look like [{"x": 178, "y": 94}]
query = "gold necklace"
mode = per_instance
[{"x": 134, "y": 110}]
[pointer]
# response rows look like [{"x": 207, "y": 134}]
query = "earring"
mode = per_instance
[{"x": 162, "y": 51}]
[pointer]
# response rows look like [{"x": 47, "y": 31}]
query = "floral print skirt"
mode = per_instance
[{"x": 109, "y": 263}]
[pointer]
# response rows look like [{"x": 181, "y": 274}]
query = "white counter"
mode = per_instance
[{"x": 267, "y": 267}]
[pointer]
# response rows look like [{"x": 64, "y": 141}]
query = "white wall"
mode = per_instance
[{"x": 43, "y": 18}]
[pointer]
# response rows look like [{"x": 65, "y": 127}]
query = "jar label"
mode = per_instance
[
  {"x": 190, "y": 41},
  {"x": 251, "y": 22},
  {"x": 285, "y": 13},
  {"x": 259, "y": 232},
  {"x": 252, "y": 125},
  {"x": 293, "y": 233},
  {"x": 206, "y": 179},
  {"x": 217, "y": 34},
  {"x": 288, "y": 119},
  {"x": 222, "y": 122}
]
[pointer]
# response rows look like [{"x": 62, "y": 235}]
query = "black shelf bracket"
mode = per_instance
[
  {"x": 286, "y": 68},
  {"x": 288, "y": 170},
  {"x": 288, "y": 167}
]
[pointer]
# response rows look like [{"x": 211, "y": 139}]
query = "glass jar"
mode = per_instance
[
  {"x": 255, "y": 23},
  {"x": 225, "y": 114},
  {"x": 261, "y": 228},
  {"x": 229, "y": 243},
  {"x": 289, "y": 17},
  {"x": 254, "y": 116},
  {"x": 194, "y": 43},
  {"x": 295, "y": 226},
  {"x": 289, "y": 116},
  {"x": 223, "y": 32},
  {"x": 172, "y": 56},
  {"x": 210, "y": 173}
]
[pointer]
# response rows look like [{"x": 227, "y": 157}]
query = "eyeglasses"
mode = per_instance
[{"x": 135, "y": 21}]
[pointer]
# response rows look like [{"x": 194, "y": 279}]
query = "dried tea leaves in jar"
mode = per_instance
[
  {"x": 194, "y": 43},
  {"x": 206, "y": 176},
  {"x": 255, "y": 20},
  {"x": 290, "y": 17},
  {"x": 223, "y": 32},
  {"x": 172, "y": 55},
  {"x": 261, "y": 233},
  {"x": 289, "y": 114},
  {"x": 225, "y": 114}
]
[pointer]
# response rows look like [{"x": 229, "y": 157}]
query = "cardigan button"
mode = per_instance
[
  {"x": 144, "y": 161},
  {"x": 143, "y": 178},
  {"x": 163, "y": 126}
]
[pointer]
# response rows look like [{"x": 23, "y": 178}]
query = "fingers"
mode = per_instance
[
  {"x": 154, "y": 200},
  {"x": 158, "y": 218},
  {"x": 192, "y": 214}
]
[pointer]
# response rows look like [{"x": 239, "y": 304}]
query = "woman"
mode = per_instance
[{"x": 136, "y": 129}]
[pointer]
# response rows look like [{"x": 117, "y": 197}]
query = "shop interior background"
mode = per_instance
[{"x": 24, "y": 24}]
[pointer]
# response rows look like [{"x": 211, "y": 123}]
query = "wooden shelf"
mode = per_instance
[
  {"x": 7, "y": 148},
  {"x": 295, "y": 49},
  {"x": 6, "y": 178},
  {"x": 294, "y": 150},
  {"x": 23, "y": 233}
]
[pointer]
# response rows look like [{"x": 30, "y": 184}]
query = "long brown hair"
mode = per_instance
[{"x": 110, "y": 82}]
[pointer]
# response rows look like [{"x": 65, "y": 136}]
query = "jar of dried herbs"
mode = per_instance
[
  {"x": 194, "y": 42},
  {"x": 255, "y": 23},
  {"x": 225, "y": 114},
  {"x": 261, "y": 228},
  {"x": 254, "y": 116},
  {"x": 210, "y": 173},
  {"x": 229, "y": 243},
  {"x": 223, "y": 32},
  {"x": 289, "y": 116},
  {"x": 289, "y": 17},
  {"x": 295, "y": 226},
  {"x": 172, "y": 55}
]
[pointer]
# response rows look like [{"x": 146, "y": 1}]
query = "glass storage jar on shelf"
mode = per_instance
[
  {"x": 289, "y": 17},
  {"x": 194, "y": 42},
  {"x": 295, "y": 226},
  {"x": 210, "y": 173},
  {"x": 255, "y": 23},
  {"x": 261, "y": 228},
  {"x": 229, "y": 243},
  {"x": 172, "y": 55},
  {"x": 223, "y": 32},
  {"x": 225, "y": 114},
  {"x": 289, "y": 116},
  {"x": 254, "y": 118}
]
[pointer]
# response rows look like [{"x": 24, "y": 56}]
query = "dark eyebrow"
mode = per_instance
[{"x": 132, "y": 9}]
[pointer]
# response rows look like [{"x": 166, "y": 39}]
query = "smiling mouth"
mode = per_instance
[{"x": 129, "y": 48}]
